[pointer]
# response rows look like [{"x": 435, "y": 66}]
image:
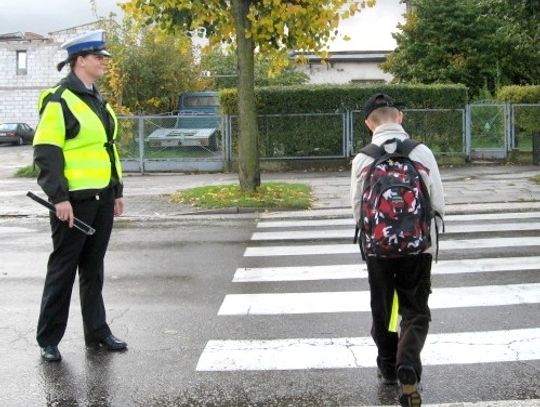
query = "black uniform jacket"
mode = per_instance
[{"x": 50, "y": 159}]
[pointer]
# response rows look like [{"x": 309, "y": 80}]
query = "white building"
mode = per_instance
[
  {"x": 343, "y": 67},
  {"x": 28, "y": 65}
]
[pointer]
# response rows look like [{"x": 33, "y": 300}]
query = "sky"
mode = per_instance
[{"x": 370, "y": 30}]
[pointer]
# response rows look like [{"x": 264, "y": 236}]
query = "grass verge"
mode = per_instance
[
  {"x": 536, "y": 179},
  {"x": 270, "y": 195},
  {"x": 30, "y": 171}
]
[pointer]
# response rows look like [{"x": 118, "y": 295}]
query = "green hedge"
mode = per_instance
[
  {"x": 339, "y": 98},
  {"x": 309, "y": 135},
  {"x": 519, "y": 94}
]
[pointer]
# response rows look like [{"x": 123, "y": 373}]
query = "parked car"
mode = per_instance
[
  {"x": 16, "y": 133},
  {"x": 197, "y": 123}
]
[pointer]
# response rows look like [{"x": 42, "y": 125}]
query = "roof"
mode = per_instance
[
  {"x": 346, "y": 56},
  {"x": 21, "y": 36}
]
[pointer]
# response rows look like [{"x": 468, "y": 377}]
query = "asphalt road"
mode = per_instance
[
  {"x": 167, "y": 283},
  {"x": 164, "y": 283}
]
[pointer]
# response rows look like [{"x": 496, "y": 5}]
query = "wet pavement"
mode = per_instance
[
  {"x": 147, "y": 195},
  {"x": 168, "y": 270}
]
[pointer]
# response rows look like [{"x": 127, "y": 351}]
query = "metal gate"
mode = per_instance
[
  {"x": 156, "y": 144},
  {"x": 488, "y": 130}
]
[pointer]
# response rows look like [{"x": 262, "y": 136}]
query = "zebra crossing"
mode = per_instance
[{"x": 489, "y": 260}]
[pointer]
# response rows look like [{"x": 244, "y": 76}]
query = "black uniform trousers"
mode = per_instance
[
  {"x": 411, "y": 277},
  {"x": 74, "y": 250}
]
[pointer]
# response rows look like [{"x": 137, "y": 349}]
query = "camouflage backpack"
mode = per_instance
[{"x": 395, "y": 214}]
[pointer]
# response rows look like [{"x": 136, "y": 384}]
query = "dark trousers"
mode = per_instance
[
  {"x": 74, "y": 250},
  {"x": 411, "y": 278}
]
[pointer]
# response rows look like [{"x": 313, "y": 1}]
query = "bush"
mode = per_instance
[
  {"x": 527, "y": 118},
  {"x": 340, "y": 98},
  {"x": 312, "y": 135},
  {"x": 519, "y": 94}
]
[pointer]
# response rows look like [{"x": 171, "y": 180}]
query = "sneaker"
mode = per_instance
[
  {"x": 410, "y": 397},
  {"x": 387, "y": 378},
  {"x": 50, "y": 353}
]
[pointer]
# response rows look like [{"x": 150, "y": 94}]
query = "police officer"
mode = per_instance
[{"x": 80, "y": 171}]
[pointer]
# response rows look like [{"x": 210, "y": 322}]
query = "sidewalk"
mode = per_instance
[{"x": 146, "y": 195}]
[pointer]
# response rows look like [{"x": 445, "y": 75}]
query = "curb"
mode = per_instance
[{"x": 498, "y": 403}]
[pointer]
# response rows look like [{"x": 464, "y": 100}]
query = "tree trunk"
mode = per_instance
[{"x": 248, "y": 155}]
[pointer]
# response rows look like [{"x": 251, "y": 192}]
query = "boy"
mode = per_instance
[{"x": 410, "y": 275}]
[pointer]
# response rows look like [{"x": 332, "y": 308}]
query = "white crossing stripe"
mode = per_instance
[
  {"x": 9, "y": 230},
  {"x": 359, "y": 301},
  {"x": 360, "y": 352},
  {"x": 347, "y": 233},
  {"x": 450, "y": 209},
  {"x": 349, "y": 221},
  {"x": 349, "y": 248},
  {"x": 357, "y": 271},
  {"x": 300, "y": 273}
]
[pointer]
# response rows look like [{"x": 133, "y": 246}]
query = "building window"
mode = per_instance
[{"x": 21, "y": 63}]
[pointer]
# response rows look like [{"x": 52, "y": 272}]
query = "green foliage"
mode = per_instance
[
  {"x": 29, "y": 171},
  {"x": 300, "y": 135},
  {"x": 222, "y": 66},
  {"x": 148, "y": 68},
  {"x": 519, "y": 94},
  {"x": 285, "y": 132},
  {"x": 332, "y": 98},
  {"x": 273, "y": 27},
  {"x": 270, "y": 195},
  {"x": 526, "y": 118},
  {"x": 483, "y": 44}
]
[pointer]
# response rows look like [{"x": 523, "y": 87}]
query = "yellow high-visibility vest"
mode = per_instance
[{"x": 87, "y": 162}]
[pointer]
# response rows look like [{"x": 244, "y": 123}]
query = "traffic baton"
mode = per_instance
[{"x": 79, "y": 224}]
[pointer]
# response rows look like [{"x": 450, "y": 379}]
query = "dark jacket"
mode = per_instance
[{"x": 50, "y": 158}]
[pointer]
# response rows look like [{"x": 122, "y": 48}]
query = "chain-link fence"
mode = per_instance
[
  {"x": 290, "y": 136},
  {"x": 209, "y": 142},
  {"x": 168, "y": 143},
  {"x": 488, "y": 127},
  {"x": 443, "y": 130},
  {"x": 526, "y": 122}
]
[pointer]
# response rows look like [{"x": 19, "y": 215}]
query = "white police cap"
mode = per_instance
[{"x": 92, "y": 42}]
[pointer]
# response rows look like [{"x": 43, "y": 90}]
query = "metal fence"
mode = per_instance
[
  {"x": 153, "y": 144},
  {"x": 443, "y": 130},
  {"x": 478, "y": 130},
  {"x": 525, "y": 121}
]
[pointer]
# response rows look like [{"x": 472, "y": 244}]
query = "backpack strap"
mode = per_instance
[
  {"x": 406, "y": 146},
  {"x": 372, "y": 150},
  {"x": 437, "y": 232}
]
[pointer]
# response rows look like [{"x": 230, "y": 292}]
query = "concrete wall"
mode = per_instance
[{"x": 19, "y": 92}]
